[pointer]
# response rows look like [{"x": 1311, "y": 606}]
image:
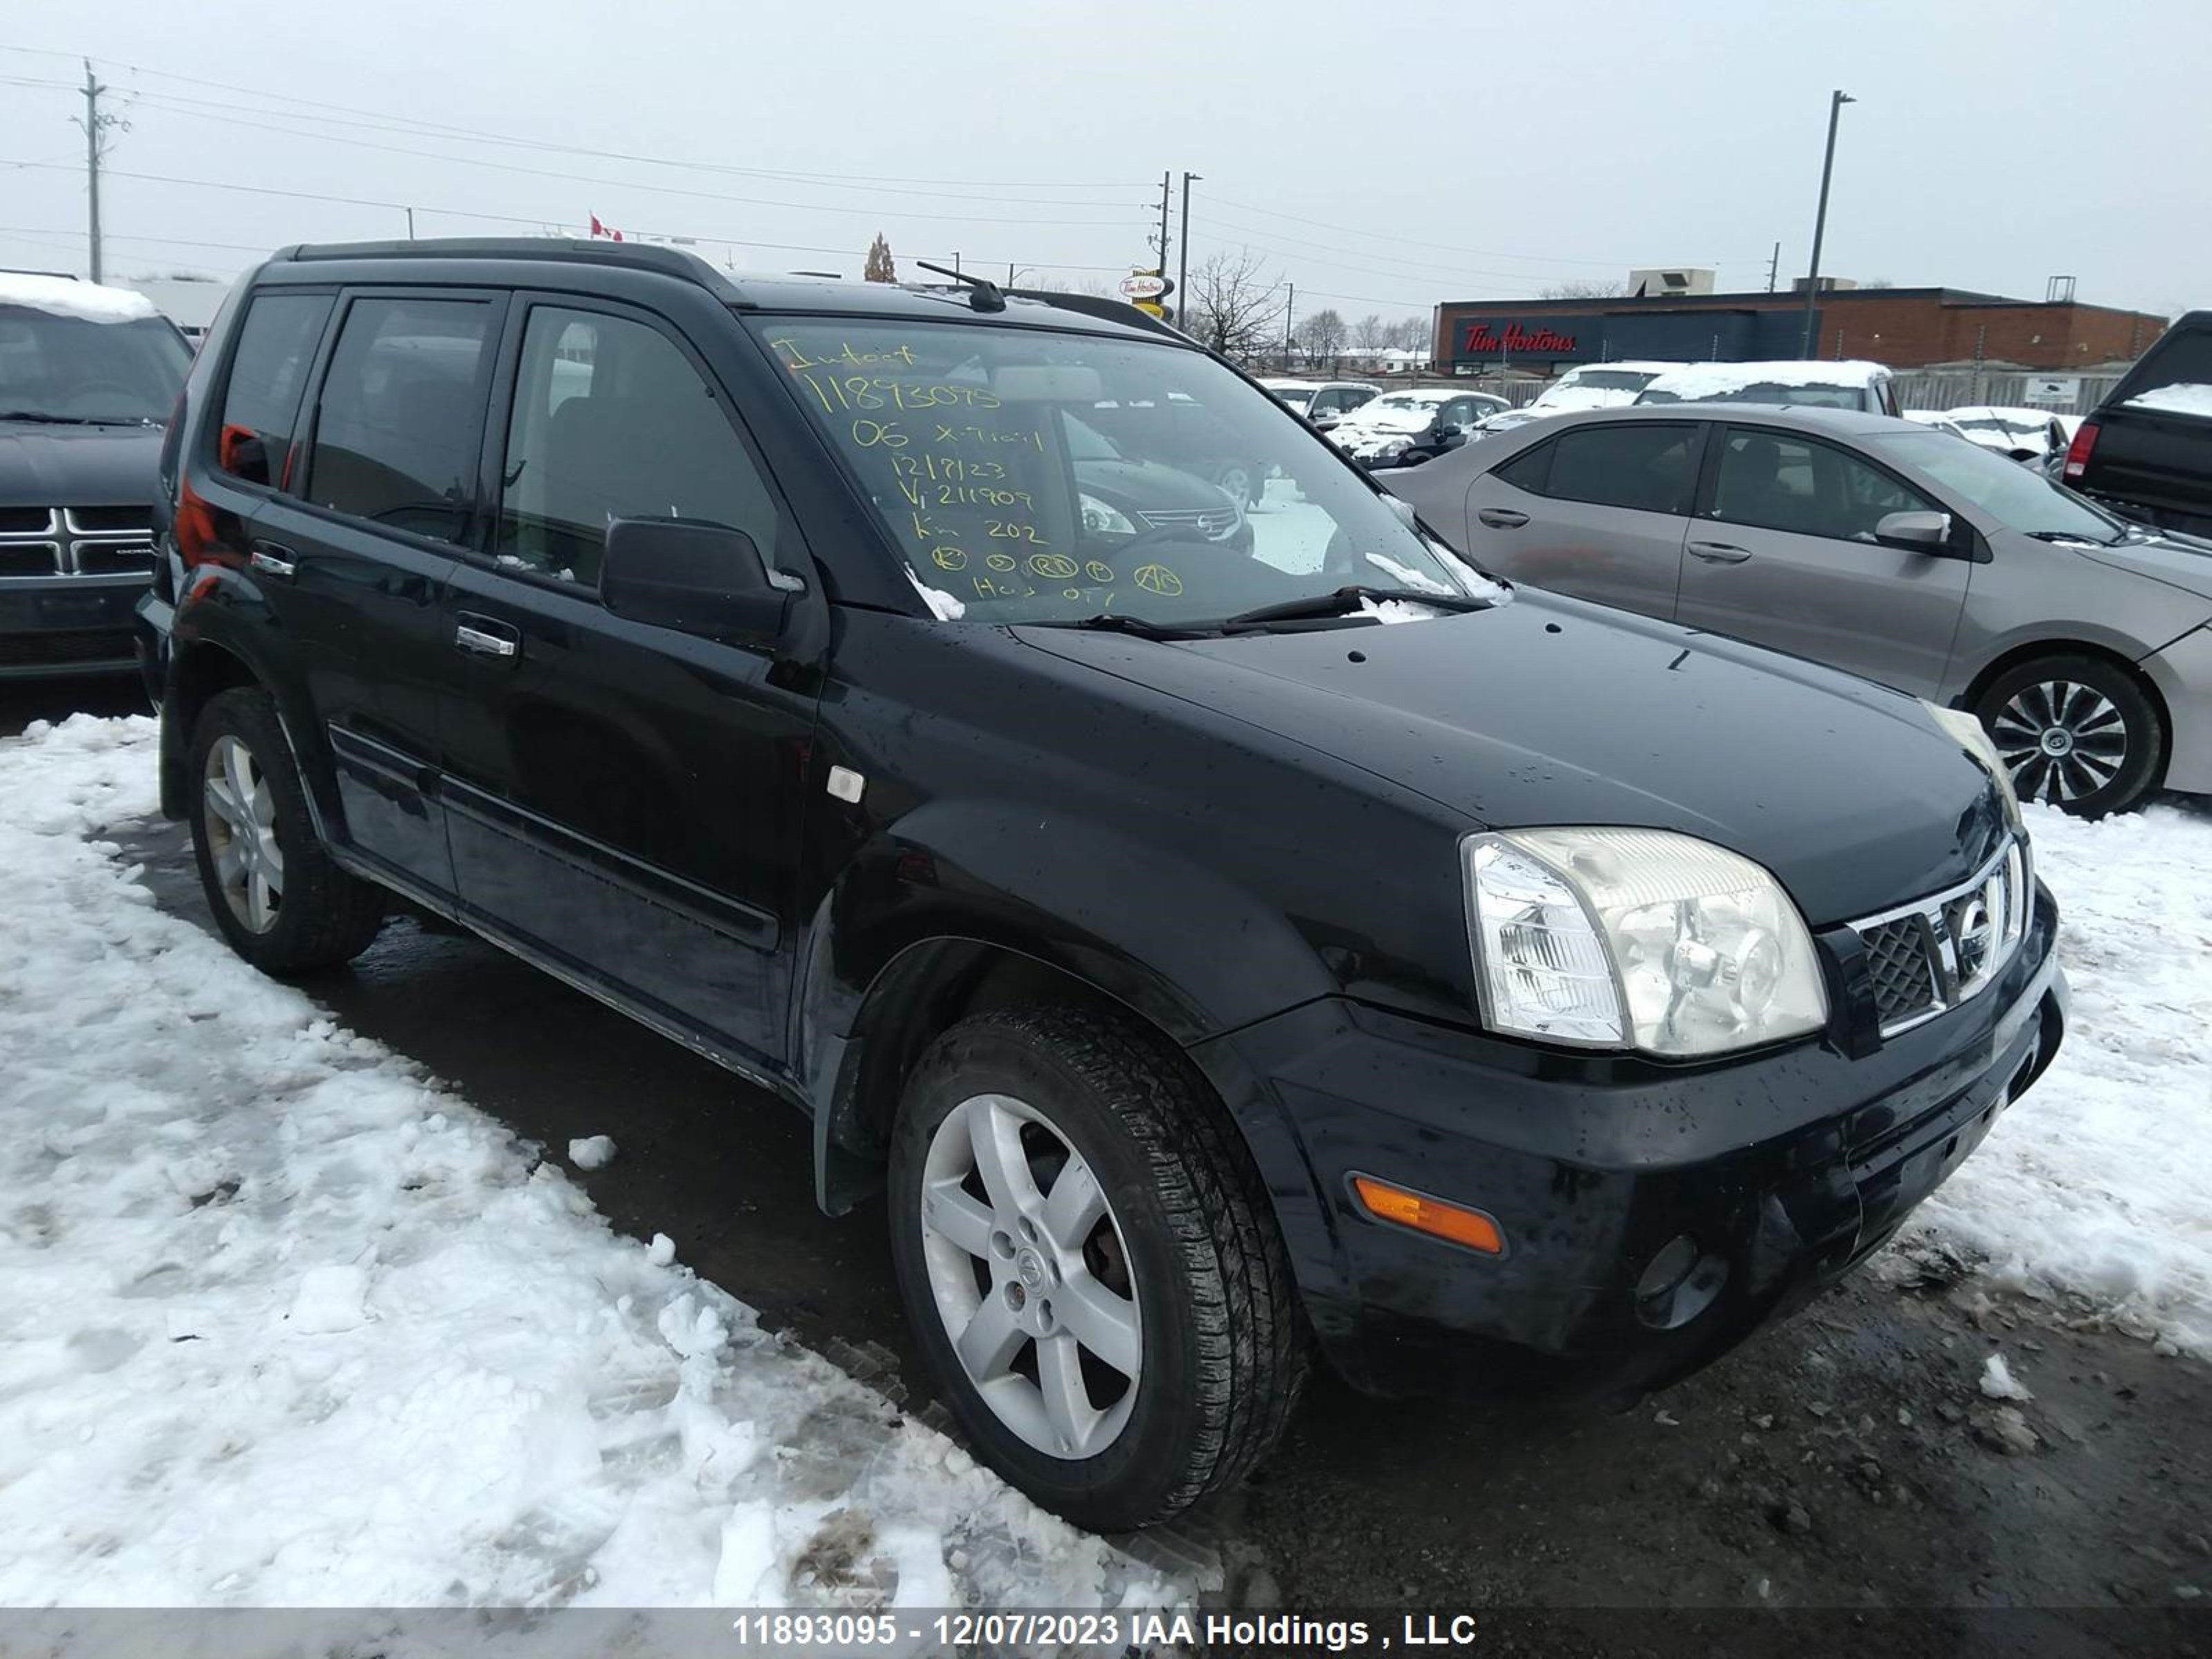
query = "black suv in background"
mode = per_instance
[
  {"x": 1223, "y": 947},
  {"x": 87, "y": 375},
  {"x": 2147, "y": 452}
]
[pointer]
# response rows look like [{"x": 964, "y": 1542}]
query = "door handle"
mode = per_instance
[
  {"x": 272, "y": 560},
  {"x": 1502, "y": 518},
  {"x": 485, "y": 637},
  {"x": 1719, "y": 552}
]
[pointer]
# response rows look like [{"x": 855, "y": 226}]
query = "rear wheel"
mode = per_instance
[
  {"x": 1087, "y": 1257},
  {"x": 278, "y": 897},
  {"x": 2077, "y": 732}
]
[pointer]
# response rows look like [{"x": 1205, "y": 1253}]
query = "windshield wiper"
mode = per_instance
[
  {"x": 1113, "y": 622},
  {"x": 44, "y": 419},
  {"x": 1343, "y": 601}
]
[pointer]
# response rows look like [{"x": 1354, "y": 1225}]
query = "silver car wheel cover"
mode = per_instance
[
  {"x": 1021, "y": 1333},
  {"x": 241, "y": 833},
  {"x": 2063, "y": 740}
]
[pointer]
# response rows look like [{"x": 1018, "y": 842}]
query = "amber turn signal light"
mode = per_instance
[{"x": 1433, "y": 1216}]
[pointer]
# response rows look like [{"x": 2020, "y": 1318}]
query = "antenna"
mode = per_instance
[{"x": 983, "y": 295}]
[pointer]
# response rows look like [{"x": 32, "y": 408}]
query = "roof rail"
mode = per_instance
[
  {"x": 678, "y": 263},
  {"x": 1111, "y": 311}
]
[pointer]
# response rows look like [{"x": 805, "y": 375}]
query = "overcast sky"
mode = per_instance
[{"x": 1382, "y": 157}]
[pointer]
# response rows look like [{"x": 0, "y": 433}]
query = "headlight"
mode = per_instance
[
  {"x": 1636, "y": 938},
  {"x": 1101, "y": 520},
  {"x": 1976, "y": 742}
]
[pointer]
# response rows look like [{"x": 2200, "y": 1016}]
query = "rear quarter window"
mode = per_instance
[{"x": 276, "y": 343}]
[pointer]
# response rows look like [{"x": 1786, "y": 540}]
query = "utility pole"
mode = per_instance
[
  {"x": 1290, "y": 309},
  {"x": 1182, "y": 269},
  {"x": 1774, "y": 266},
  {"x": 1835, "y": 103},
  {"x": 1166, "y": 180},
  {"x": 411, "y": 224},
  {"x": 91, "y": 130}
]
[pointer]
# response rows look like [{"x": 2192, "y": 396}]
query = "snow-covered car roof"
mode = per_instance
[
  {"x": 2180, "y": 398},
  {"x": 1631, "y": 365},
  {"x": 64, "y": 296},
  {"x": 1698, "y": 380}
]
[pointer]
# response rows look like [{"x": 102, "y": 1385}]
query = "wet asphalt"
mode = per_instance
[{"x": 1845, "y": 1460}]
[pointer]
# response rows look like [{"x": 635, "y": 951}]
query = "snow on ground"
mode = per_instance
[
  {"x": 283, "y": 1321},
  {"x": 2098, "y": 1183}
]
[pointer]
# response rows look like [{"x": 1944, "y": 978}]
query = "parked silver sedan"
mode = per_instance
[{"x": 2082, "y": 643}]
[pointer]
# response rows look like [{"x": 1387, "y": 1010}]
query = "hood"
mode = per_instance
[
  {"x": 2179, "y": 560},
  {"x": 1126, "y": 484},
  {"x": 43, "y": 466},
  {"x": 1548, "y": 711},
  {"x": 1386, "y": 422}
]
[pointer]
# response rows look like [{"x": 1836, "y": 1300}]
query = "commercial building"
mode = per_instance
[{"x": 1903, "y": 327}]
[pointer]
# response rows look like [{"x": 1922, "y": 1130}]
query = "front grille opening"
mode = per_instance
[
  {"x": 25, "y": 520},
  {"x": 1902, "y": 968},
  {"x": 93, "y": 519},
  {"x": 29, "y": 559}
]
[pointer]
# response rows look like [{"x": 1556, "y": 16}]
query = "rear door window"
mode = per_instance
[
  {"x": 400, "y": 422},
  {"x": 1650, "y": 466},
  {"x": 261, "y": 401}
]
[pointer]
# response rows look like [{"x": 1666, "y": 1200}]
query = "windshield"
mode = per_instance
[
  {"x": 1034, "y": 476},
  {"x": 2002, "y": 425},
  {"x": 1766, "y": 392},
  {"x": 2017, "y": 496},
  {"x": 1297, "y": 397},
  {"x": 1608, "y": 380},
  {"x": 74, "y": 369}
]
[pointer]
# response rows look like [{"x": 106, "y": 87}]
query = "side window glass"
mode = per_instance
[
  {"x": 396, "y": 432},
  {"x": 1777, "y": 482},
  {"x": 1527, "y": 470},
  {"x": 610, "y": 421},
  {"x": 1647, "y": 467},
  {"x": 261, "y": 402}
]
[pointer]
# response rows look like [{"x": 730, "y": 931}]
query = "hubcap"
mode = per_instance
[
  {"x": 241, "y": 831},
  {"x": 1030, "y": 1276},
  {"x": 2061, "y": 740}
]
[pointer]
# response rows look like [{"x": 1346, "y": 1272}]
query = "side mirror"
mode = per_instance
[
  {"x": 1914, "y": 532},
  {"x": 694, "y": 577}
]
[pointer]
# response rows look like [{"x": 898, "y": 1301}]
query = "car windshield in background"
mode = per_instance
[
  {"x": 1029, "y": 475},
  {"x": 1769, "y": 392},
  {"x": 1611, "y": 380},
  {"x": 1290, "y": 399},
  {"x": 78, "y": 371},
  {"x": 2021, "y": 498},
  {"x": 2002, "y": 428}
]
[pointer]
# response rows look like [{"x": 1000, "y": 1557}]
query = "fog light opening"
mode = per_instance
[{"x": 1678, "y": 1284}]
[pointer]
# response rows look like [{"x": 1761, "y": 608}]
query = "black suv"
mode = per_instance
[
  {"x": 2147, "y": 452},
  {"x": 1223, "y": 952},
  {"x": 87, "y": 375}
]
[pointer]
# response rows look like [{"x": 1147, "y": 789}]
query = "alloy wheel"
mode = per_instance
[
  {"x": 2063, "y": 740},
  {"x": 241, "y": 831},
  {"x": 1030, "y": 1273}
]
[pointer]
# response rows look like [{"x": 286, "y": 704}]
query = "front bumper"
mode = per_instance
[
  {"x": 56, "y": 625},
  {"x": 1782, "y": 1170}
]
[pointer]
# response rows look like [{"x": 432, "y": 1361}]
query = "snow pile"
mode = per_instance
[
  {"x": 283, "y": 1323},
  {"x": 2182, "y": 398},
  {"x": 59, "y": 296},
  {"x": 2095, "y": 1183},
  {"x": 591, "y": 1152}
]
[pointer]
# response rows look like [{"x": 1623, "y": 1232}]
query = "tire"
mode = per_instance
[
  {"x": 2077, "y": 732},
  {"x": 1182, "y": 1223},
  {"x": 279, "y": 900}
]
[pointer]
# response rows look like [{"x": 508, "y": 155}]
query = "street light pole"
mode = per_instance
[
  {"x": 1182, "y": 266},
  {"x": 1820, "y": 222}
]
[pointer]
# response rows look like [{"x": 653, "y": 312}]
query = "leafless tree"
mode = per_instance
[
  {"x": 1583, "y": 289},
  {"x": 1371, "y": 332},
  {"x": 1322, "y": 336},
  {"x": 1234, "y": 306},
  {"x": 880, "y": 267},
  {"x": 1410, "y": 334}
]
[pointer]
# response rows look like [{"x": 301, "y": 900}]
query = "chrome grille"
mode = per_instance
[
  {"x": 1213, "y": 522},
  {"x": 72, "y": 541},
  {"x": 1927, "y": 957}
]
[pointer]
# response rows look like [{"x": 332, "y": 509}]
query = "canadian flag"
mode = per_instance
[{"x": 599, "y": 229}]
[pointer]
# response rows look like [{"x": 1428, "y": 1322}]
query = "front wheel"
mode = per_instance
[
  {"x": 278, "y": 898},
  {"x": 2077, "y": 732},
  {"x": 1089, "y": 1261}
]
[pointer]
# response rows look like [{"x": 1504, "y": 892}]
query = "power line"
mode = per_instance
[{"x": 1446, "y": 247}]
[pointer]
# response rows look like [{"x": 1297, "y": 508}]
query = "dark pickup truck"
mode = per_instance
[{"x": 2147, "y": 452}]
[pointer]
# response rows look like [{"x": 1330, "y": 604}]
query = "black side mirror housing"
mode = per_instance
[{"x": 696, "y": 578}]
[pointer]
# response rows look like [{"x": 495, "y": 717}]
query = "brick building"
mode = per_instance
[{"x": 1903, "y": 327}]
